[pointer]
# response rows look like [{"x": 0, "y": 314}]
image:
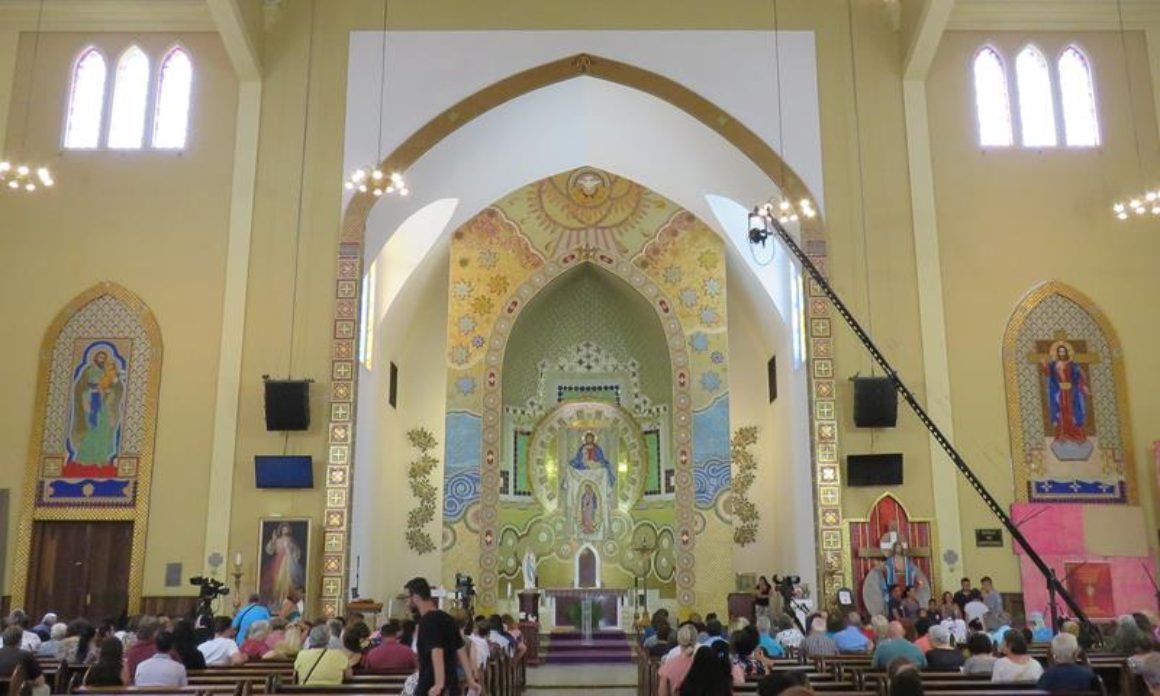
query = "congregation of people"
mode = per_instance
[
  {"x": 159, "y": 651},
  {"x": 968, "y": 632}
]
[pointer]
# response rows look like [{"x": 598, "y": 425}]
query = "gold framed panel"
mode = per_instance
[
  {"x": 1015, "y": 324},
  {"x": 139, "y": 513},
  {"x": 349, "y": 263}
]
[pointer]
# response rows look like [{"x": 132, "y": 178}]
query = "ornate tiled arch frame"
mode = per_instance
[
  {"x": 682, "y": 430},
  {"x": 1019, "y": 316},
  {"x": 834, "y": 567},
  {"x": 138, "y": 514}
]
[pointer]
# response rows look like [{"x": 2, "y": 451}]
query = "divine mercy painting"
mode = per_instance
[{"x": 283, "y": 553}]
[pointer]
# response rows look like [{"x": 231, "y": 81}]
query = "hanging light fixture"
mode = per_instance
[
  {"x": 781, "y": 207},
  {"x": 1146, "y": 202},
  {"x": 372, "y": 179},
  {"x": 16, "y": 174}
]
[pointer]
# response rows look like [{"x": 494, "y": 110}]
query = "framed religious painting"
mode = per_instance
[
  {"x": 1090, "y": 583},
  {"x": 283, "y": 558}
]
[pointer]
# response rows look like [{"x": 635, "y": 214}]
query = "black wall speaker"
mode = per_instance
[
  {"x": 393, "y": 387},
  {"x": 874, "y": 470},
  {"x": 287, "y": 404},
  {"x": 875, "y": 402},
  {"x": 771, "y": 368}
]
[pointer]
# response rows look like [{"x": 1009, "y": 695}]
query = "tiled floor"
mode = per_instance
[{"x": 563, "y": 680}]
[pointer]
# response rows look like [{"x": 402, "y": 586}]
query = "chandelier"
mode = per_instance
[
  {"x": 376, "y": 182},
  {"x": 1139, "y": 206},
  {"x": 373, "y": 179},
  {"x": 23, "y": 177}
]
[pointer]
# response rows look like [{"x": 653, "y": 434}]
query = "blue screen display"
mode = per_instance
[{"x": 284, "y": 471}]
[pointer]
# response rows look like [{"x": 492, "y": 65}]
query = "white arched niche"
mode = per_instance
[{"x": 580, "y": 122}]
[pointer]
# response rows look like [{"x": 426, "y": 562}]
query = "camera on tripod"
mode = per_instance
[
  {"x": 211, "y": 588},
  {"x": 464, "y": 590},
  {"x": 784, "y": 585}
]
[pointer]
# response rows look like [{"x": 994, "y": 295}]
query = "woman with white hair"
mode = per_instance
[
  {"x": 1065, "y": 674},
  {"x": 319, "y": 664},
  {"x": 53, "y": 646},
  {"x": 942, "y": 655},
  {"x": 672, "y": 672}
]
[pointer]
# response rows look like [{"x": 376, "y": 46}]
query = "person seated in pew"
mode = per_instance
[
  {"x": 353, "y": 648},
  {"x": 391, "y": 656},
  {"x": 51, "y": 646},
  {"x": 160, "y": 669},
  {"x": 817, "y": 643},
  {"x": 943, "y": 656},
  {"x": 513, "y": 631},
  {"x": 1065, "y": 675},
  {"x": 319, "y": 664},
  {"x": 650, "y": 638},
  {"x": 1016, "y": 665},
  {"x": 289, "y": 647},
  {"x": 747, "y": 659},
  {"x": 499, "y": 636},
  {"x": 981, "y": 661},
  {"x": 851, "y": 639},
  {"x": 110, "y": 662},
  {"x": 13, "y": 656},
  {"x": 671, "y": 674},
  {"x": 922, "y": 631},
  {"x": 185, "y": 645},
  {"x": 222, "y": 649},
  {"x": 779, "y": 682},
  {"x": 661, "y": 642},
  {"x": 710, "y": 672},
  {"x": 768, "y": 645},
  {"x": 904, "y": 678},
  {"x": 277, "y": 632},
  {"x": 481, "y": 647},
  {"x": 254, "y": 645},
  {"x": 895, "y": 646},
  {"x": 1147, "y": 667},
  {"x": 478, "y": 650},
  {"x": 336, "y": 627},
  {"x": 1040, "y": 631}
]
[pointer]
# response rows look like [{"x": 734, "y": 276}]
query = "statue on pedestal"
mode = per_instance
[{"x": 529, "y": 568}]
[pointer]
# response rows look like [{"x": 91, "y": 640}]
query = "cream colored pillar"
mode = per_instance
[
  {"x": 9, "y": 42},
  {"x": 932, "y": 323},
  {"x": 225, "y": 424}
]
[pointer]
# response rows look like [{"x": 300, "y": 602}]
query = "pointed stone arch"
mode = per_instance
[
  {"x": 60, "y": 483},
  {"x": 1053, "y": 464}
]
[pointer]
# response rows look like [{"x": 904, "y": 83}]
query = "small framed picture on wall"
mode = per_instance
[{"x": 283, "y": 555}]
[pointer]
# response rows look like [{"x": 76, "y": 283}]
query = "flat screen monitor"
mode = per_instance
[{"x": 284, "y": 471}]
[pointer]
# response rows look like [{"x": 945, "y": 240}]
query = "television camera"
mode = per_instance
[
  {"x": 465, "y": 591},
  {"x": 209, "y": 590},
  {"x": 784, "y": 585}
]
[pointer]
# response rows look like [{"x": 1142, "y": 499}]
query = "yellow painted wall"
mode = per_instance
[
  {"x": 154, "y": 222},
  {"x": 1011, "y": 218},
  {"x": 157, "y": 224}
]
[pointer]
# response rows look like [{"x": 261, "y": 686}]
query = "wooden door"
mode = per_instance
[{"x": 80, "y": 569}]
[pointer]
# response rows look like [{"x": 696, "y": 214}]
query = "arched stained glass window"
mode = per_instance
[
  {"x": 1036, "y": 106},
  {"x": 130, "y": 95},
  {"x": 1080, "y": 123},
  {"x": 171, "y": 117},
  {"x": 86, "y": 102},
  {"x": 992, "y": 100}
]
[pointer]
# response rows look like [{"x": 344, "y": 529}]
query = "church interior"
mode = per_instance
[{"x": 594, "y": 315}]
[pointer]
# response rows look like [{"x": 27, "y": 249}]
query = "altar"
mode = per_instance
[{"x": 596, "y": 608}]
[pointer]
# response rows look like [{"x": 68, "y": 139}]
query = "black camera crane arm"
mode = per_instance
[{"x": 757, "y": 235}]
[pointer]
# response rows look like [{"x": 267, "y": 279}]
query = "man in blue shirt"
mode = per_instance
[
  {"x": 768, "y": 645},
  {"x": 851, "y": 639},
  {"x": 254, "y": 611},
  {"x": 895, "y": 646}
]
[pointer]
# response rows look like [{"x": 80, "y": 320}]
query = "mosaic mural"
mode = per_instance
[
  {"x": 627, "y": 466},
  {"x": 96, "y": 417},
  {"x": 1066, "y": 401}
]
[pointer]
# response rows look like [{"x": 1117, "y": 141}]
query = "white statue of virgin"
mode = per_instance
[{"x": 529, "y": 567}]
